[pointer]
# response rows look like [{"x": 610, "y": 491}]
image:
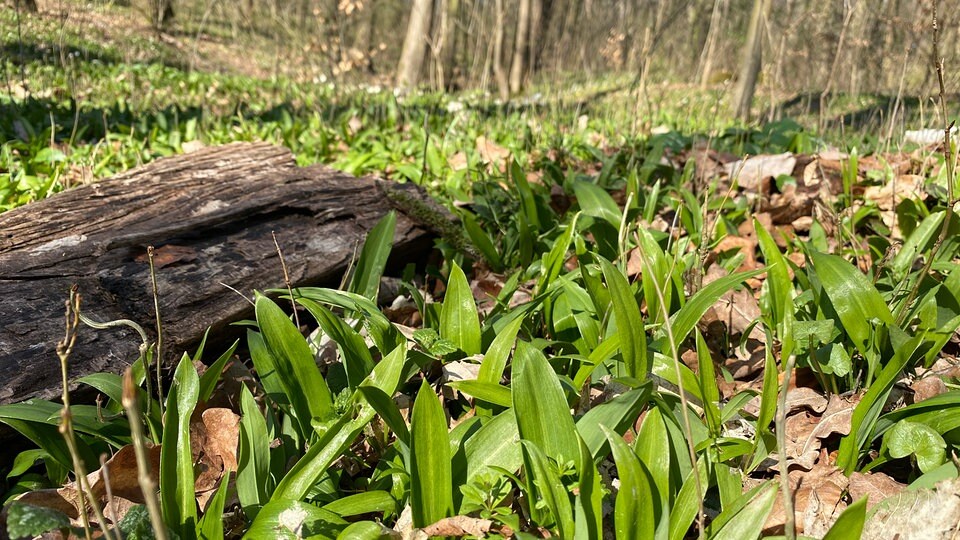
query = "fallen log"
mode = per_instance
[{"x": 211, "y": 216}]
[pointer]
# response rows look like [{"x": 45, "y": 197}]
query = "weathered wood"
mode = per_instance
[{"x": 210, "y": 216}]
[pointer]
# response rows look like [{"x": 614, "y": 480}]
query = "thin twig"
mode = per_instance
[
  {"x": 159, "y": 347},
  {"x": 147, "y": 484},
  {"x": 286, "y": 279}
]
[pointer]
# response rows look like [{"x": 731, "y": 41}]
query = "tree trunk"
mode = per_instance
[
  {"x": 752, "y": 59},
  {"x": 499, "y": 73},
  {"x": 211, "y": 216},
  {"x": 518, "y": 65},
  {"x": 415, "y": 44},
  {"x": 29, "y": 5}
]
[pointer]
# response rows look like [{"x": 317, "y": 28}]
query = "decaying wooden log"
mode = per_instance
[{"x": 210, "y": 216}]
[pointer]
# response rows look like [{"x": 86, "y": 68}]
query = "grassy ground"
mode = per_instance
[{"x": 637, "y": 313}]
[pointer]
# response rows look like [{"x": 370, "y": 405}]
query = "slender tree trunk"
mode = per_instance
[
  {"x": 518, "y": 65},
  {"x": 538, "y": 18},
  {"x": 29, "y": 5},
  {"x": 415, "y": 44},
  {"x": 706, "y": 58},
  {"x": 752, "y": 59},
  {"x": 499, "y": 72}
]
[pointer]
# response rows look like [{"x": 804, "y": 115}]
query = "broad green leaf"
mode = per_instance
[
  {"x": 633, "y": 338},
  {"x": 777, "y": 295},
  {"x": 652, "y": 447},
  {"x": 686, "y": 505},
  {"x": 254, "y": 482},
  {"x": 211, "y": 524},
  {"x": 855, "y": 299},
  {"x": 388, "y": 410},
  {"x": 617, "y": 415},
  {"x": 354, "y": 353},
  {"x": 915, "y": 243},
  {"x": 554, "y": 259},
  {"x": 866, "y": 413},
  {"x": 294, "y": 520},
  {"x": 482, "y": 241},
  {"x": 135, "y": 524},
  {"x": 25, "y": 460},
  {"x": 495, "y": 444},
  {"x": 47, "y": 437},
  {"x": 588, "y": 502},
  {"x": 383, "y": 333},
  {"x": 489, "y": 392},
  {"x": 745, "y": 519},
  {"x": 297, "y": 372},
  {"x": 431, "y": 483},
  {"x": 373, "y": 257},
  {"x": 549, "y": 488},
  {"x": 707, "y": 379},
  {"x": 849, "y": 526},
  {"x": 683, "y": 321},
  {"x": 637, "y": 507},
  {"x": 497, "y": 355},
  {"x": 336, "y": 439},
  {"x": 594, "y": 201},
  {"x": 177, "y": 497},
  {"x": 266, "y": 367},
  {"x": 210, "y": 377},
  {"x": 367, "y": 502},
  {"x": 910, "y": 438},
  {"x": 459, "y": 321},
  {"x": 543, "y": 416},
  {"x": 366, "y": 530}
]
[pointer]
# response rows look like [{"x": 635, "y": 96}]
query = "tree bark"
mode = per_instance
[
  {"x": 518, "y": 65},
  {"x": 499, "y": 72},
  {"x": 415, "y": 44},
  {"x": 752, "y": 59},
  {"x": 29, "y": 5},
  {"x": 211, "y": 216}
]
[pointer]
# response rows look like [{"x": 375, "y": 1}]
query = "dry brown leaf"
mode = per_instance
[
  {"x": 458, "y": 161},
  {"x": 921, "y": 514},
  {"x": 491, "y": 153},
  {"x": 876, "y": 485},
  {"x": 817, "y": 498},
  {"x": 459, "y": 526},
  {"x": 751, "y": 171},
  {"x": 168, "y": 255}
]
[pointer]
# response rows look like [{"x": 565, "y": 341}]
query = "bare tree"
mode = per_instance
[
  {"x": 29, "y": 5},
  {"x": 415, "y": 44},
  {"x": 518, "y": 65},
  {"x": 498, "y": 70},
  {"x": 752, "y": 59}
]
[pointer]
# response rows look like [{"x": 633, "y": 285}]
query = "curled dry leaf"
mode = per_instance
[
  {"x": 492, "y": 153},
  {"x": 877, "y": 486},
  {"x": 805, "y": 431},
  {"x": 459, "y": 526},
  {"x": 818, "y": 501}
]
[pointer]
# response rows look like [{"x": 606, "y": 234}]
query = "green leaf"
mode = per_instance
[
  {"x": 686, "y": 505},
  {"x": 481, "y": 240},
  {"x": 136, "y": 525},
  {"x": 855, "y": 299},
  {"x": 177, "y": 496},
  {"x": 459, "y": 321},
  {"x": 554, "y": 259},
  {"x": 617, "y": 415},
  {"x": 383, "y": 333},
  {"x": 208, "y": 381},
  {"x": 373, "y": 257},
  {"x": 367, "y": 530},
  {"x": 297, "y": 372},
  {"x": 915, "y": 244},
  {"x": 254, "y": 482},
  {"x": 637, "y": 507},
  {"x": 493, "y": 445},
  {"x": 489, "y": 392},
  {"x": 549, "y": 488},
  {"x": 495, "y": 360},
  {"x": 910, "y": 438},
  {"x": 367, "y": 502},
  {"x": 652, "y": 447},
  {"x": 683, "y": 321},
  {"x": 588, "y": 503},
  {"x": 745, "y": 518},
  {"x": 27, "y": 520},
  {"x": 211, "y": 524},
  {"x": 543, "y": 416},
  {"x": 294, "y": 520},
  {"x": 338, "y": 437},
  {"x": 633, "y": 338},
  {"x": 777, "y": 295},
  {"x": 388, "y": 411},
  {"x": 431, "y": 484},
  {"x": 357, "y": 361},
  {"x": 849, "y": 526},
  {"x": 594, "y": 201}
]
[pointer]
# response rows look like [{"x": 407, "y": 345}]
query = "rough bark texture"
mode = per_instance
[
  {"x": 415, "y": 44},
  {"x": 210, "y": 216}
]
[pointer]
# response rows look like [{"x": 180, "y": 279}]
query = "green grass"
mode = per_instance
[{"x": 528, "y": 444}]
